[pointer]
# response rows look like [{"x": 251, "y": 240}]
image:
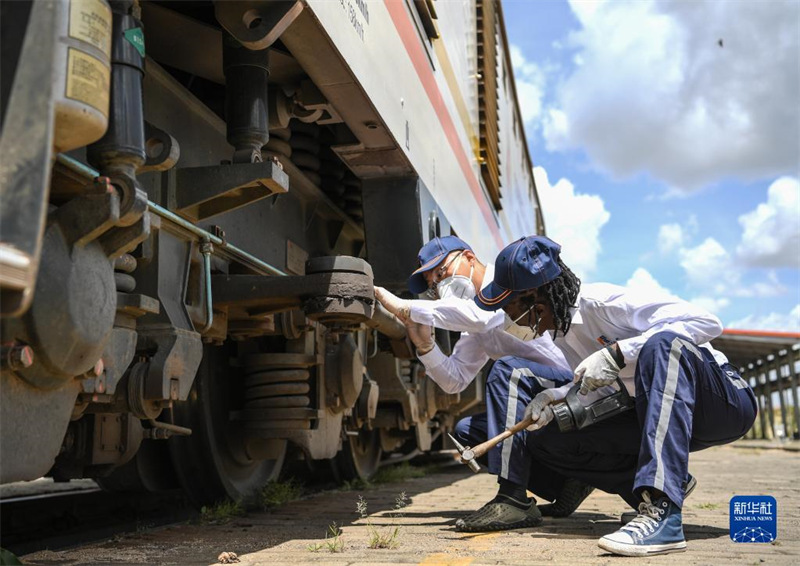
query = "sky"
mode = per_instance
[{"x": 665, "y": 138}]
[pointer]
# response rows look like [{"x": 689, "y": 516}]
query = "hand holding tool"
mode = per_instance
[{"x": 469, "y": 455}]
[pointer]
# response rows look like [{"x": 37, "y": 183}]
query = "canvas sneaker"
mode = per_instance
[
  {"x": 629, "y": 516},
  {"x": 657, "y": 529}
]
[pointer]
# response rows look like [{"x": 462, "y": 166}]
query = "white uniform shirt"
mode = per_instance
[
  {"x": 482, "y": 339},
  {"x": 608, "y": 313}
]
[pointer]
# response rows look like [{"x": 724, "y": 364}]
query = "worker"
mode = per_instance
[
  {"x": 687, "y": 396},
  {"x": 450, "y": 274}
]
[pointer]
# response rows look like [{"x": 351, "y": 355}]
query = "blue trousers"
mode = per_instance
[
  {"x": 512, "y": 383},
  {"x": 685, "y": 402}
]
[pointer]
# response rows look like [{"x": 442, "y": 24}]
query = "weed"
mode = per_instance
[
  {"x": 398, "y": 473},
  {"x": 386, "y": 538},
  {"x": 356, "y": 485},
  {"x": 333, "y": 540},
  {"x": 709, "y": 506},
  {"x": 221, "y": 512},
  {"x": 276, "y": 493}
]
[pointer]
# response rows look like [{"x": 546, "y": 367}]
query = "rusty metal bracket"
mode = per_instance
[
  {"x": 256, "y": 24},
  {"x": 198, "y": 193}
]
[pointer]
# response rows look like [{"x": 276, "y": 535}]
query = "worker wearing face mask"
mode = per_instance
[
  {"x": 450, "y": 276},
  {"x": 687, "y": 396}
]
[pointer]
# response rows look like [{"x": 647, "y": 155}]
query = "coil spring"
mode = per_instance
[
  {"x": 276, "y": 381},
  {"x": 353, "y": 200},
  {"x": 279, "y": 142},
  {"x": 124, "y": 265},
  {"x": 305, "y": 149}
]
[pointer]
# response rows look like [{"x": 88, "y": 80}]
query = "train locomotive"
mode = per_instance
[{"x": 196, "y": 198}]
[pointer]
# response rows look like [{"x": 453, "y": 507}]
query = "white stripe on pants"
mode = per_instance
[
  {"x": 667, "y": 398},
  {"x": 511, "y": 416}
]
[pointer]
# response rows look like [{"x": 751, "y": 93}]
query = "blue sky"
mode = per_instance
[{"x": 662, "y": 158}]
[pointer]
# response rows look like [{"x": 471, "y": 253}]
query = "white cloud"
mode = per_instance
[
  {"x": 573, "y": 220},
  {"x": 709, "y": 267},
  {"x": 771, "y": 232},
  {"x": 656, "y": 92},
  {"x": 772, "y": 321},
  {"x": 530, "y": 83},
  {"x": 643, "y": 280},
  {"x": 670, "y": 237},
  {"x": 712, "y": 304}
]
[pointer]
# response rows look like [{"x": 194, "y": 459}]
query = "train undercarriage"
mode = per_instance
[{"x": 187, "y": 299}]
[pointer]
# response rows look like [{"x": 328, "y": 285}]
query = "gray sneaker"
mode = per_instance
[
  {"x": 499, "y": 515},
  {"x": 629, "y": 516},
  {"x": 568, "y": 499}
]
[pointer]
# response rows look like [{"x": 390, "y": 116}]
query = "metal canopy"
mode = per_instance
[{"x": 743, "y": 347}]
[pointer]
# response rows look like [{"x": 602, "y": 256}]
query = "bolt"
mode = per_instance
[{"x": 17, "y": 356}]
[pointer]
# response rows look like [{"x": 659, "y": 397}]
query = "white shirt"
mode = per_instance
[
  {"x": 482, "y": 339},
  {"x": 608, "y": 313}
]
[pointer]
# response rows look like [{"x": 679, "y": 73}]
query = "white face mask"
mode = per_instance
[
  {"x": 459, "y": 286},
  {"x": 524, "y": 333}
]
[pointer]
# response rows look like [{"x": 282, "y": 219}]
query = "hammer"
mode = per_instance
[{"x": 469, "y": 455}]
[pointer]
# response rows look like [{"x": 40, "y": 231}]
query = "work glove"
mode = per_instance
[
  {"x": 421, "y": 336},
  {"x": 401, "y": 308},
  {"x": 540, "y": 410},
  {"x": 596, "y": 371}
]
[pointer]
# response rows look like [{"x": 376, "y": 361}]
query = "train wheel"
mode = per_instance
[
  {"x": 359, "y": 457},
  {"x": 219, "y": 461},
  {"x": 150, "y": 470}
]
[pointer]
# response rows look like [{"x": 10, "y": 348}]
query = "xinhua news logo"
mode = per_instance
[{"x": 754, "y": 518}]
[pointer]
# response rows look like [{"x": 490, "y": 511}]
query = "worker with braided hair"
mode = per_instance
[
  {"x": 687, "y": 396},
  {"x": 450, "y": 274}
]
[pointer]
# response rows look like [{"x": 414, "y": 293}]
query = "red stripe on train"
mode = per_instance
[{"x": 411, "y": 41}]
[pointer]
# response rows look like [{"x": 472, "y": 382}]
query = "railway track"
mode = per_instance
[{"x": 32, "y": 522}]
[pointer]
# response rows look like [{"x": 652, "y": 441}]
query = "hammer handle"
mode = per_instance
[{"x": 484, "y": 447}]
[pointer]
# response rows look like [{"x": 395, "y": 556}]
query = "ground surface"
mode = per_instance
[{"x": 426, "y": 535}]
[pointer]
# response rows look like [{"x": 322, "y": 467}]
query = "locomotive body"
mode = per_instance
[{"x": 196, "y": 200}]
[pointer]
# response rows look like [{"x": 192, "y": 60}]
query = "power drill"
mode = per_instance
[{"x": 574, "y": 415}]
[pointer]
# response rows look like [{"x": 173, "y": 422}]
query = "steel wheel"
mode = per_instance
[
  {"x": 360, "y": 456},
  {"x": 219, "y": 460}
]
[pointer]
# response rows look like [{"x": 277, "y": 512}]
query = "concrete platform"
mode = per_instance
[{"x": 426, "y": 535}]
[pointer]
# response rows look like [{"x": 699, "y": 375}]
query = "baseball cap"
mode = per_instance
[
  {"x": 430, "y": 255},
  {"x": 525, "y": 264}
]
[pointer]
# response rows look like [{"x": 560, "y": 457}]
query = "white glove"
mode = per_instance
[
  {"x": 421, "y": 336},
  {"x": 598, "y": 370},
  {"x": 401, "y": 308},
  {"x": 540, "y": 409}
]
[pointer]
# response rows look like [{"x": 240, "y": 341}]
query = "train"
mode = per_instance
[{"x": 196, "y": 199}]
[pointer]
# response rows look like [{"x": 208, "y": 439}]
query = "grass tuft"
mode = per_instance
[
  {"x": 222, "y": 512},
  {"x": 383, "y": 538},
  {"x": 398, "y": 473},
  {"x": 333, "y": 540},
  {"x": 276, "y": 493}
]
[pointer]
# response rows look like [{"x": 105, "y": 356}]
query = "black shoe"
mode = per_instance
[
  {"x": 568, "y": 499},
  {"x": 500, "y": 515}
]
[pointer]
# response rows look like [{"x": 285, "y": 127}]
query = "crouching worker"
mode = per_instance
[
  {"x": 687, "y": 396},
  {"x": 450, "y": 273}
]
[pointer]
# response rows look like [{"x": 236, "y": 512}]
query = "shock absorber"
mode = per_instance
[
  {"x": 120, "y": 152},
  {"x": 246, "y": 88}
]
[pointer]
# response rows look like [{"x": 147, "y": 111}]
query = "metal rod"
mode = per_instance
[
  {"x": 230, "y": 250},
  {"x": 206, "y": 247},
  {"x": 174, "y": 429}
]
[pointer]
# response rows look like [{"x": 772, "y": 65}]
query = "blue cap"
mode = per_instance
[
  {"x": 431, "y": 255},
  {"x": 526, "y": 264}
]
